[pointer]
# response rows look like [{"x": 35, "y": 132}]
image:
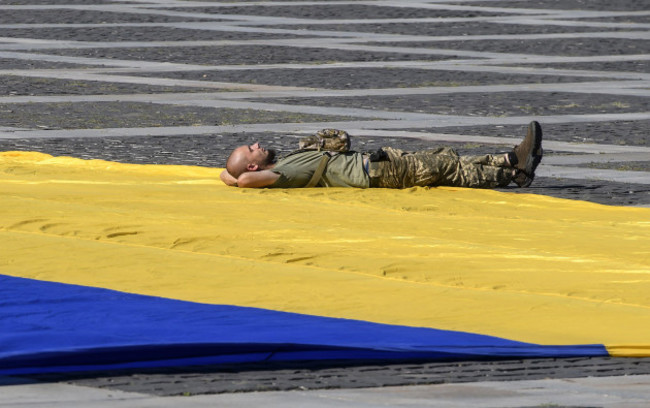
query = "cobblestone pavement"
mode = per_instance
[
  {"x": 339, "y": 374},
  {"x": 183, "y": 82}
]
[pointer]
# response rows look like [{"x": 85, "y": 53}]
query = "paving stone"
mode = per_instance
[
  {"x": 49, "y": 2},
  {"x": 622, "y": 166},
  {"x": 631, "y": 133},
  {"x": 582, "y": 46},
  {"x": 341, "y": 374},
  {"x": 492, "y": 104},
  {"x": 597, "y": 5},
  {"x": 19, "y": 85},
  {"x": 98, "y": 115},
  {"x": 71, "y": 16},
  {"x": 642, "y": 19},
  {"x": 631, "y": 66},
  {"x": 442, "y": 28},
  {"x": 11, "y": 63},
  {"x": 141, "y": 33},
  {"x": 354, "y": 78},
  {"x": 597, "y": 191},
  {"x": 241, "y": 54},
  {"x": 337, "y": 11}
]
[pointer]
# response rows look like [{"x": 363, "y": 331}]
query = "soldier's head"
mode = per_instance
[{"x": 250, "y": 158}]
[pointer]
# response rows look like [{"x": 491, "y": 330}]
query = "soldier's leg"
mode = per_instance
[
  {"x": 487, "y": 160},
  {"x": 446, "y": 168},
  {"x": 419, "y": 169},
  {"x": 481, "y": 176},
  {"x": 438, "y": 167}
]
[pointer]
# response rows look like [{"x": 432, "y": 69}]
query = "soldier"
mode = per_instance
[{"x": 253, "y": 166}]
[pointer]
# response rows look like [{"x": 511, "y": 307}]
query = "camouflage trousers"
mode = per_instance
[{"x": 438, "y": 167}]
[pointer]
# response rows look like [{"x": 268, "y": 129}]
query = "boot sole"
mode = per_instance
[{"x": 535, "y": 155}]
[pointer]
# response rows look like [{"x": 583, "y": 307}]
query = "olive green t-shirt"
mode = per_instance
[{"x": 343, "y": 170}]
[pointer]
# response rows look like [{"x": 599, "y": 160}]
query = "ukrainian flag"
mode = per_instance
[{"x": 108, "y": 265}]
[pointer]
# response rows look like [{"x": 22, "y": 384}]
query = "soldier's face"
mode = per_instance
[{"x": 256, "y": 154}]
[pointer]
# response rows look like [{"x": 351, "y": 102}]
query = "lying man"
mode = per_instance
[{"x": 253, "y": 166}]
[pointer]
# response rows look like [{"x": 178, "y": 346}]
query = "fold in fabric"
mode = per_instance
[
  {"x": 529, "y": 269},
  {"x": 49, "y": 326}
]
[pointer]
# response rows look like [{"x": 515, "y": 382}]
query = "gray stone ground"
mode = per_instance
[{"x": 183, "y": 82}]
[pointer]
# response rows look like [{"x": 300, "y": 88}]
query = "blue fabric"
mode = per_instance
[{"x": 48, "y": 326}]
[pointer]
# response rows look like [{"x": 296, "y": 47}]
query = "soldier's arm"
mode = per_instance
[
  {"x": 227, "y": 178},
  {"x": 257, "y": 179}
]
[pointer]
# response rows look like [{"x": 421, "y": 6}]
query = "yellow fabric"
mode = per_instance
[{"x": 523, "y": 267}]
